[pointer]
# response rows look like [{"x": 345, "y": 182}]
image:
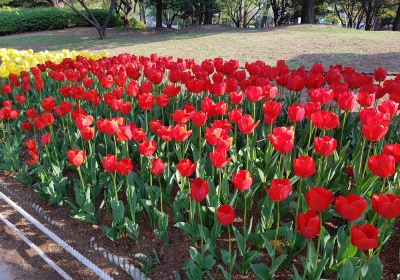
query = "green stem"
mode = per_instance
[
  {"x": 343, "y": 125},
  {"x": 80, "y": 177},
  {"x": 244, "y": 214},
  {"x": 115, "y": 185},
  {"x": 230, "y": 250},
  {"x": 277, "y": 225},
  {"x": 161, "y": 194}
]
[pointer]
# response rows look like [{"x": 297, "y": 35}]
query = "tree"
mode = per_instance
[
  {"x": 125, "y": 9},
  {"x": 373, "y": 9},
  {"x": 280, "y": 9},
  {"x": 352, "y": 10},
  {"x": 396, "y": 23},
  {"x": 307, "y": 11},
  {"x": 242, "y": 12},
  {"x": 89, "y": 16}
]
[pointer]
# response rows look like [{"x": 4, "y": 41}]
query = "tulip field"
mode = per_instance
[{"x": 284, "y": 164}]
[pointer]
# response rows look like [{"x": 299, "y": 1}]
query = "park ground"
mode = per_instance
[{"x": 298, "y": 45}]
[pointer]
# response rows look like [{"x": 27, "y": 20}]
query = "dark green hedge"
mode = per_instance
[{"x": 28, "y": 20}]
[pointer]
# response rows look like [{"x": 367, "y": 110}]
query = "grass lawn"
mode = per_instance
[{"x": 297, "y": 44}]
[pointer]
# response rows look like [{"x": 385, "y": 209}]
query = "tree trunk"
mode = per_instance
[
  {"x": 396, "y": 23},
  {"x": 142, "y": 12},
  {"x": 368, "y": 21},
  {"x": 307, "y": 13},
  {"x": 208, "y": 13},
  {"x": 159, "y": 7},
  {"x": 263, "y": 22}
]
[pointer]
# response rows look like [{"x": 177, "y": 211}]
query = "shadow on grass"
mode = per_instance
[{"x": 362, "y": 62}]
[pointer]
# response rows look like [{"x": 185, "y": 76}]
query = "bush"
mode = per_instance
[
  {"x": 28, "y": 20},
  {"x": 133, "y": 22}
]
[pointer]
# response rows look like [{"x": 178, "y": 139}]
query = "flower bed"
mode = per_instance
[{"x": 286, "y": 164}]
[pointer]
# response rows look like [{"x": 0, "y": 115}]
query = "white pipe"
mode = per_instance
[
  {"x": 102, "y": 274},
  {"x": 53, "y": 265}
]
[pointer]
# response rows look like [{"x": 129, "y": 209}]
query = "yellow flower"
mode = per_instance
[
  {"x": 4, "y": 73},
  {"x": 15, "y": 61}
]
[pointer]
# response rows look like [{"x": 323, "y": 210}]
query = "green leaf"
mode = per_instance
[
  {"x": 262, "y": 271},
  {"x": 372, "y": 269},
  {"x": 118, "y": 210}
]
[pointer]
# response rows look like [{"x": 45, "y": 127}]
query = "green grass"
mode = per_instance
[{"x": 297, "y": 44}]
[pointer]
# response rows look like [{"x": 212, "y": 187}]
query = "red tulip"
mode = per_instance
[
  {"x": 380, "y": 74},
  {"x": 386, "y": 205},
  {"x": 242, "y": 180},
  {"x": 235, "y": 115},
  {"x": 157, "y": 166},
  {"x": 26, "y": 125},
  {"x": 350, "y": 207},
  {"x": 34, "y": 156},
  {"x": 181, "y": 133},
  {"x": 272, "y": 111},
  {"x": 225, "y": 214},
  {"x": 219, "y": 158},
  {"x": 296, "y": 112},
  {"x": 199, "y": 189},
  {"x": 146, "y": 101},
  {"x": 346, "y": 101},
  {"x": 155, "y": 125},
  {"x": 21, "y": 98},
  {"x": 308, "y": 224},
  {"x": 325, "y": 120},
  {"x": 46, "y": 138},
  {"x": 148, "y": 147},
  {"x": 393, "y": 150},
  {"x": 382, "y": 165},
  {"x": 199, "y": 118},
  {"x": 125, "y": 166},
  {"x": 110, "y": 163},
  {"x": 280, "y": 189},
  {"x": 365, "y": 98},
  {"x": 107, "y": 81},
  {"x": 171, "y": 90},
  {"x": 321, "y": 95},
  {"x": 186, "y": 167},
  {"x": 138, "y": 134},
  {"x": 166, "y": 133},
  {"x": 254, "y": 93},
  {"x": 180, "y": 116},
  {"x": 48, "y": 103},
  {"x": 30, "y": 144},
  {"x": 364, "y": 237},
  {"x": 31, "y": 113},
  {"x": 236, "y": 97},
  {"x": 213, "y": 135},
  {"x": 282, "y": 138},
  {"x": 304, "y": 166},
  {"x": 311, "y": 108},
  {"x": 7, "y": 89},
  {"x": 247, "y": 125},
  {"x": 319, "y": 198},
  {"x": 325, "y": 146},
  {"x": 87, "y": 133},
  {"x": 76, "y": 157},
  {"x": 388, "y": 107},
  {"x": 162, "y": 100},
  {"x": 374, "y": 132}
]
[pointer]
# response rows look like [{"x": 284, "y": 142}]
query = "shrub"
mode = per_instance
[
  {"x": 133, "y": 22},
  {"x": 28, "y": 20}
]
